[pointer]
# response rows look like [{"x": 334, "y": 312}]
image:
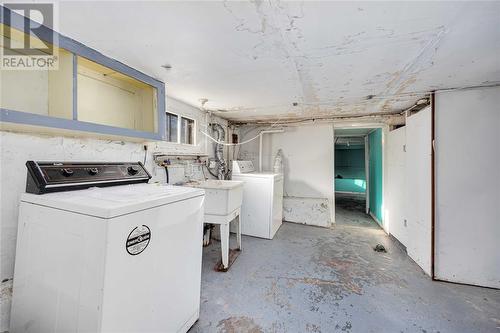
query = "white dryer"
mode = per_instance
[
  {"x": 262, "y": 207},
  {"x": 106, "y": 259}
]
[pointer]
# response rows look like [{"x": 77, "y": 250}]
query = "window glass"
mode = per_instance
[
  {"x": 187, "y": 131},
  {"x": 172, "y": 121}
]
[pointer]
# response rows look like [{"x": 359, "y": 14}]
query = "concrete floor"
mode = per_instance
[
  {"x": 350, "y": 210},
  {"x": 311, "y": 279}
]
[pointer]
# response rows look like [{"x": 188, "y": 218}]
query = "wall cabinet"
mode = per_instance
[
  {"x": 87, "y": 92},
  {"x": 110, "y": 98}
]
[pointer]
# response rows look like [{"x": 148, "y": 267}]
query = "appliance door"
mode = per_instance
[
  {"x": 277, "y": 205},
  {"x": 158, "y": 289},
  {"x": 256, "y": 208}
]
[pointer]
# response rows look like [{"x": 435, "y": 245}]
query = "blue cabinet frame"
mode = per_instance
[{"x": 78, "y": 49}]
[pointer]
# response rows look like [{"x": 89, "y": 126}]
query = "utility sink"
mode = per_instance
[{"x": 222, "y": 197}]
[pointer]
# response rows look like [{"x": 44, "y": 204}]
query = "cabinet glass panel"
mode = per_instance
[{"x": 110, "y": 98}]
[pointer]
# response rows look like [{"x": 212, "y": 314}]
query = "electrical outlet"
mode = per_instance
[{"x": 405, "y": 223}]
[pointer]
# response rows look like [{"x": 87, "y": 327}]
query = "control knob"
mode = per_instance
[
  {"x": 132, "y": 170},
  {"x": 67, "y": 172},
  {"x": 93, "y": 171}
]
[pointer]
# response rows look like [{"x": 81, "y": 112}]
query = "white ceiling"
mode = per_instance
[{"x": 254, "y": 60}]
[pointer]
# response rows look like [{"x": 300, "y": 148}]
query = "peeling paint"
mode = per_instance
[
  {"x": 313, "y": 328},
  {"x": 313, "y": 211},
  {"x": 5, "y": 301},
  {"x": 238, "y": 324},
  {"x": 267, "y": 55},
  {"x": 275, "y": 295}
]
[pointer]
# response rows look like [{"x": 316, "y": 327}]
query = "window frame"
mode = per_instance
[
  {"x": 194, "y": 130},
  {"x": 177, "y": 137},
  {"x": 179, "y": 124},
  {"x": 78, "y": 49}
]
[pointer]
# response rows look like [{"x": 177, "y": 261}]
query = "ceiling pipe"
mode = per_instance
[
  {"x": 260, "y": 143},
  {"x": 384, "y": 116}
]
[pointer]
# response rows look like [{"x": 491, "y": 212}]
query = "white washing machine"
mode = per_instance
[
  {"x": 262, "y": 207},
  {"x": 106, "y": 259}
]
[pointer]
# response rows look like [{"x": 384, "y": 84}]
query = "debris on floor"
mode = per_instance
[
  {"x": 238, "y": 324},
  {"x": 379, "y": 248}
]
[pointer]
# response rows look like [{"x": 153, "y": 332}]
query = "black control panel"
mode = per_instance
[{"x": 45, "y": 177}]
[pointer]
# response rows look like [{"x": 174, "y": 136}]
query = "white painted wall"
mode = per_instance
[
  {"x": 385, "y": 133},
  {"x": 17, "y": 148},
  {"x": 468, "y": 186},
  {"x": 408, "y": 187},
  {"x": 395, "y": 212},
  {"x": 418, "y": 185},
  {"x": 308, "y": 168}
]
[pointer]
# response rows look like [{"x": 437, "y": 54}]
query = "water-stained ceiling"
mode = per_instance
[{"x": 286, "y": 60}]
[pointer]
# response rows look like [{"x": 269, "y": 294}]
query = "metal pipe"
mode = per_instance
[
  {"x": 260, "y": 143},
  {"x": 219, "y": 150}
]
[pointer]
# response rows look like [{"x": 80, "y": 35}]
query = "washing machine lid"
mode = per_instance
[
  {"x": 215, "y": 184},
  {"x": 246, "y": 169},
  {"x": 109, "y": 202},
  {"x": 272, "y": 175}
]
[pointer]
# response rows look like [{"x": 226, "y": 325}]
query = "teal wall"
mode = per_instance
[
  {"x": 350, "y": 165},
  {"x": 375, "y": 181},
  {"x": 350, "y": 185}
]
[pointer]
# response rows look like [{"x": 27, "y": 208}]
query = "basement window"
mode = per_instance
[
  {"x": 180, "y": 129},
  {"x": 187, "y": 131},
  {"x": 171, "y": 132}
]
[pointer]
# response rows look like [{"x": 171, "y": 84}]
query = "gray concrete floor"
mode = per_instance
[{"x": 310, "y": 279}]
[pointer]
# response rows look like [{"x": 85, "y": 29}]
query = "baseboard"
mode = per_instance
[
  {"x": 398, "y": 243},
  {"x": 376, "y": 219},
  {"x": 310, "y": 225},
  {"x": 190, "y": 322},
  {"x": 463, "y": 283}
]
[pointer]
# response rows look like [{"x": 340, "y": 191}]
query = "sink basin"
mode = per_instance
[{"x": 222, "y": 197}]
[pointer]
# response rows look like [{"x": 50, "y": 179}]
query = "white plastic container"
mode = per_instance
[{"x": 222, "y": 197}]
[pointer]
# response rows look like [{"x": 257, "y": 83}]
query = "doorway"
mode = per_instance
[{"x": 358, "y": 176}]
